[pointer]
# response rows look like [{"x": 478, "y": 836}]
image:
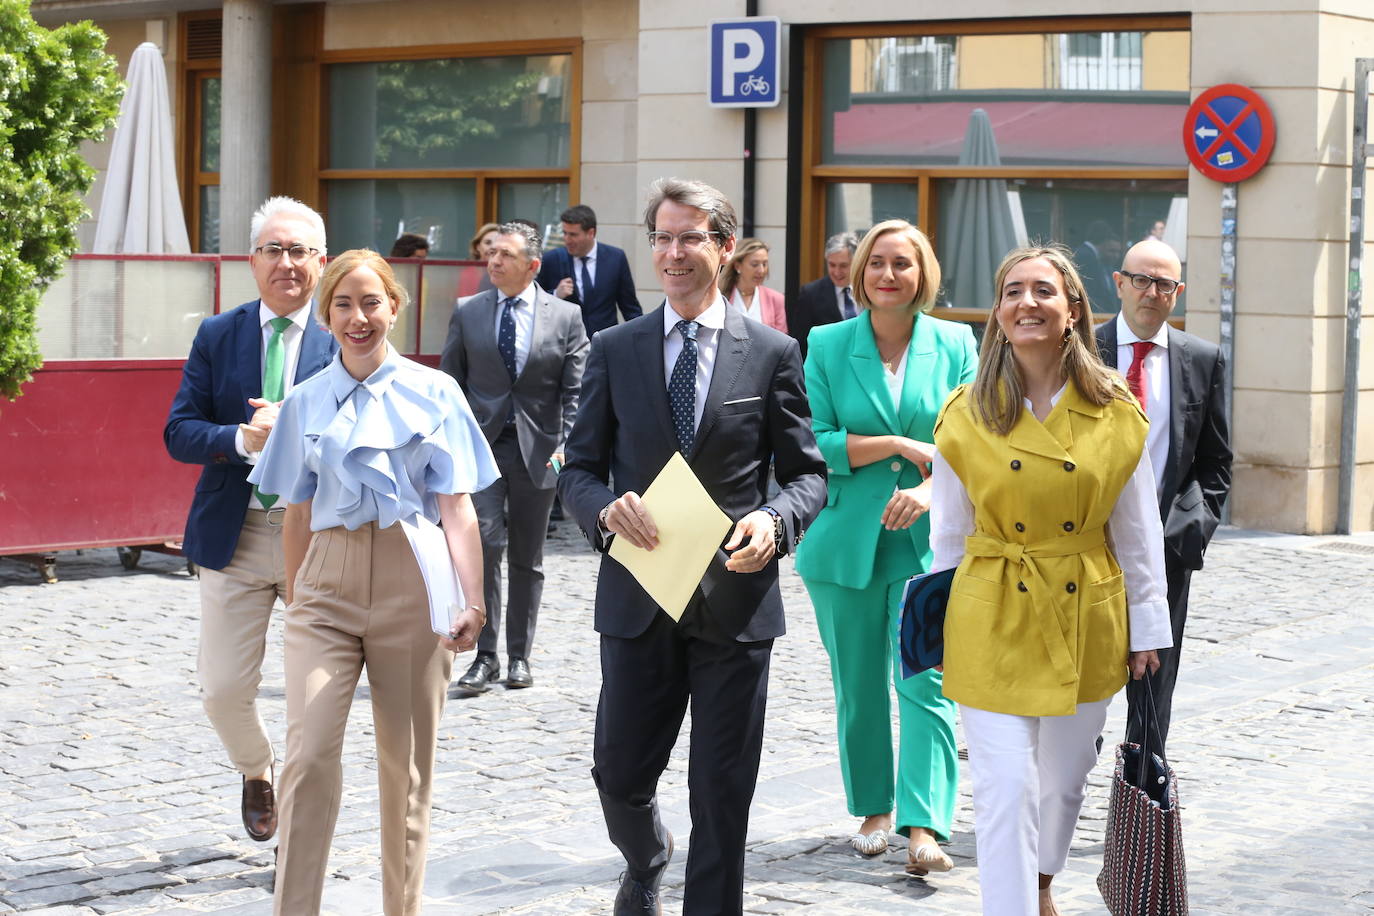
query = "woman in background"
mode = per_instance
[
  {"x": 369, "y": 442},
  {"x": 483, "y": 242},
  {"x": 1041, "y": 485},
  {"x": 741, "y": 281},
  {"x": 876, "y": 383}
]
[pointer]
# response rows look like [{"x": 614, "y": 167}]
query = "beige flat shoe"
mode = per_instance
[
  {"x": 870, "y": 844},
  {"x": 927, "y": 858}
]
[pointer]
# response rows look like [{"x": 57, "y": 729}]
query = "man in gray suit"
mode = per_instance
[
  {"x": 1180, "y": 380},
  {"x": 518, "y": 354}
]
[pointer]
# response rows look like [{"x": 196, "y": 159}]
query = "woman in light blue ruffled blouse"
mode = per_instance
[{"x": 370, "y": 444}]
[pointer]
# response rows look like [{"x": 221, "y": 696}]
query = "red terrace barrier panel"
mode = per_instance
[{"x": 82, "y": 462}]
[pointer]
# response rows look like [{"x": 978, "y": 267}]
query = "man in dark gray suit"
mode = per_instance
[
  {"x": 1180, "y": 380},
  {"x": 695, "y": 377},
  {"x": 518, "y": 354}
]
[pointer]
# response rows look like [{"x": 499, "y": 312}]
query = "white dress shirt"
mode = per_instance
[
  {"x": 523, "y": 313},
  {"x": 839, "y": 301},
  {"x": 1134, "y": 532},
  {"x": 1154, "y": 375},
  {"x": 291, "y": 341},
  {"x": 590, "y": 260},
  {"x": 753, "y": 309},
  {"x": 895, "y": 379},
  {"x": 711, "y": 325}
]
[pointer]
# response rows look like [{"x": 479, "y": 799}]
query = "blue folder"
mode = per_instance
[{"x": 923, "y": 621}]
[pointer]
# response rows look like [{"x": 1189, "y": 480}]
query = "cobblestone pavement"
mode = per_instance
[{"x": 115, "y": 796}]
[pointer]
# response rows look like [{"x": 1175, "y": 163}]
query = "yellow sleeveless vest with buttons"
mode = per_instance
[{"x": 1037, "y": 622}]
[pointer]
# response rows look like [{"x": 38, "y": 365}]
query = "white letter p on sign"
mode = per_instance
[{"x": 742, "y": 51}]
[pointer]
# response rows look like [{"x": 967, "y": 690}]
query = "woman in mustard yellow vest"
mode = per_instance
[
  {"x": 876, "y": 383},
  {"x": 1044, "y": 498}
]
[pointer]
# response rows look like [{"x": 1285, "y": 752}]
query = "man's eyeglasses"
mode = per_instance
[
  {"x": 296, "y": 253},
  {"x": 690, "y": 241},
  {"x": 1143, "y": 281}
]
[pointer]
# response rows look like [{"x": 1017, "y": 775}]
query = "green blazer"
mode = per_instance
[{"x": 849, "y": 394}]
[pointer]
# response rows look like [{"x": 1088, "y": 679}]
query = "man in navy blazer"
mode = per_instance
[
  {"x": 592, "y": 274},
  {"x": 728, "y": 394},
  {"x": 221, "y": 420},
  {"x": 1183, "y": 380}
]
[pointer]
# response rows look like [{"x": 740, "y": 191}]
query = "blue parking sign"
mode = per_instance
[{"x": 744, "y": 65}]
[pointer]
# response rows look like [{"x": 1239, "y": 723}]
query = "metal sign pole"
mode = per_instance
[
  {"x": 1228, "y": 310},
  {"x": 1350, "y": 396}
]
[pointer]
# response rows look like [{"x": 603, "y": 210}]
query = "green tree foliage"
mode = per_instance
[{"x": 57, "y": 88}]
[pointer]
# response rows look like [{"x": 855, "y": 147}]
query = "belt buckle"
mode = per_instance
[{"x": 276, "y": 516}]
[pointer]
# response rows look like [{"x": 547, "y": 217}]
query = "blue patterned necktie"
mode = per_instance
[
  {"x": 682, "y": 387},
  {"x": 505, "y": 341},
  {"x": 850, "y": 310},
  {"x": 586, "y": 282}
]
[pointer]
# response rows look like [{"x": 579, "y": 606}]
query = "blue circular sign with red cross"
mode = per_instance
[{"x": 1228, "y": 133}]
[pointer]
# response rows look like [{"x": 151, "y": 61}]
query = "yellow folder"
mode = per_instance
[{"x": 690, "y": 529}]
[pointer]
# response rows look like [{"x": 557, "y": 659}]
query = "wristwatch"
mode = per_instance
[{"x": 778, "y": 529}]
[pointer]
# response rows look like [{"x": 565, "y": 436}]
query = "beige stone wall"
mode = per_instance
[
  {"x": 681, "y": 135},
  {"x": 609, "y": 30},
  {"x": 1291, "y": 253}
]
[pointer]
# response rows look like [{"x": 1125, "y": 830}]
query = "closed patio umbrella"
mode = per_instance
[
  {"x": 140, "y": 206},
  {"x": 976, "y": 227}
]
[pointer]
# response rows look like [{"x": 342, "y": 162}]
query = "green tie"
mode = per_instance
[{"x": 274, "y": 380}]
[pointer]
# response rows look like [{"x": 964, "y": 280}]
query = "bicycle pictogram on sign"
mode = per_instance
[{"x": 754, "y": 83}]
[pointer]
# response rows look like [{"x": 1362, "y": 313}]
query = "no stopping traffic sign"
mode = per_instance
[{"x": 1228, "y": 133}]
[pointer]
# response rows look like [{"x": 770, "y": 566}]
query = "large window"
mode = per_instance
[
  {"x": 439, "y": 145},
  {"x": 990, "y": 136}
]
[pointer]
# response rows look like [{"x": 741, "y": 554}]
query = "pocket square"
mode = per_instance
[{"x": 741, "y": 400}]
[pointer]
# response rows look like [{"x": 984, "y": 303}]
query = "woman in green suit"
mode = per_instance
[{"x": 876, "y": 383}]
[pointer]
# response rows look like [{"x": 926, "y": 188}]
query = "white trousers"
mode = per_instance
[{"x": 1029, "y": 774}]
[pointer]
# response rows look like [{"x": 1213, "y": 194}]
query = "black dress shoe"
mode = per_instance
[
  {"x": 484, "y": 670},
  {"x": 636, "y": 899},
  {"x": 639, "y": 896},
  {"x": 259, "y": 809},
  {"x": 518, "y": 675}
]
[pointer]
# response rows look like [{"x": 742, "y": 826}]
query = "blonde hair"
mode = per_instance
[
  {"x": 925, "y": 260},
  {"x": 997, "y": 391},
  {"x": 729, "y": 277},
  {"x": 345, "y": 264},
  {"x": 475, "y": 245}
]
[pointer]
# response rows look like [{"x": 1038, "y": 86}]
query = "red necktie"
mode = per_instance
[{"x": 1135, "y": 378}]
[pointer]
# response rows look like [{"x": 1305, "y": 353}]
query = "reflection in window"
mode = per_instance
[
  {"x": 857, "y": 206},
  {"x": 908, "y": 65},
  {"x": 1106, "y": 99},
  {"x": 1099, "y": 60},
  {"x": 373, "y": 213},
  {"x": 470, "y": 112},
  {"x": 209, "y": 124},
  {"x": 1096, "y": 219},
  {"x": 209, "y": 218},
  {"x": 539, "y": 202}
]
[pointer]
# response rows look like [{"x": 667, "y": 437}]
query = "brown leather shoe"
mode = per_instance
[{"x": 259, "y": 809}]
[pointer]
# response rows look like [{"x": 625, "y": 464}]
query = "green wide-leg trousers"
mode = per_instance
[{"x": 860, "y": 629}]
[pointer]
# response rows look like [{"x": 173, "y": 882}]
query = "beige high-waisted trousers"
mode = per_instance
[{"x": 359, "y": 600}]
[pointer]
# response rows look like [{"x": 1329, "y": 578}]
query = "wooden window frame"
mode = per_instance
[
  {"x": 487, "y": 179},
  {"x": 189, "y": 114},
  {"x": 815, "y": 175}
]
